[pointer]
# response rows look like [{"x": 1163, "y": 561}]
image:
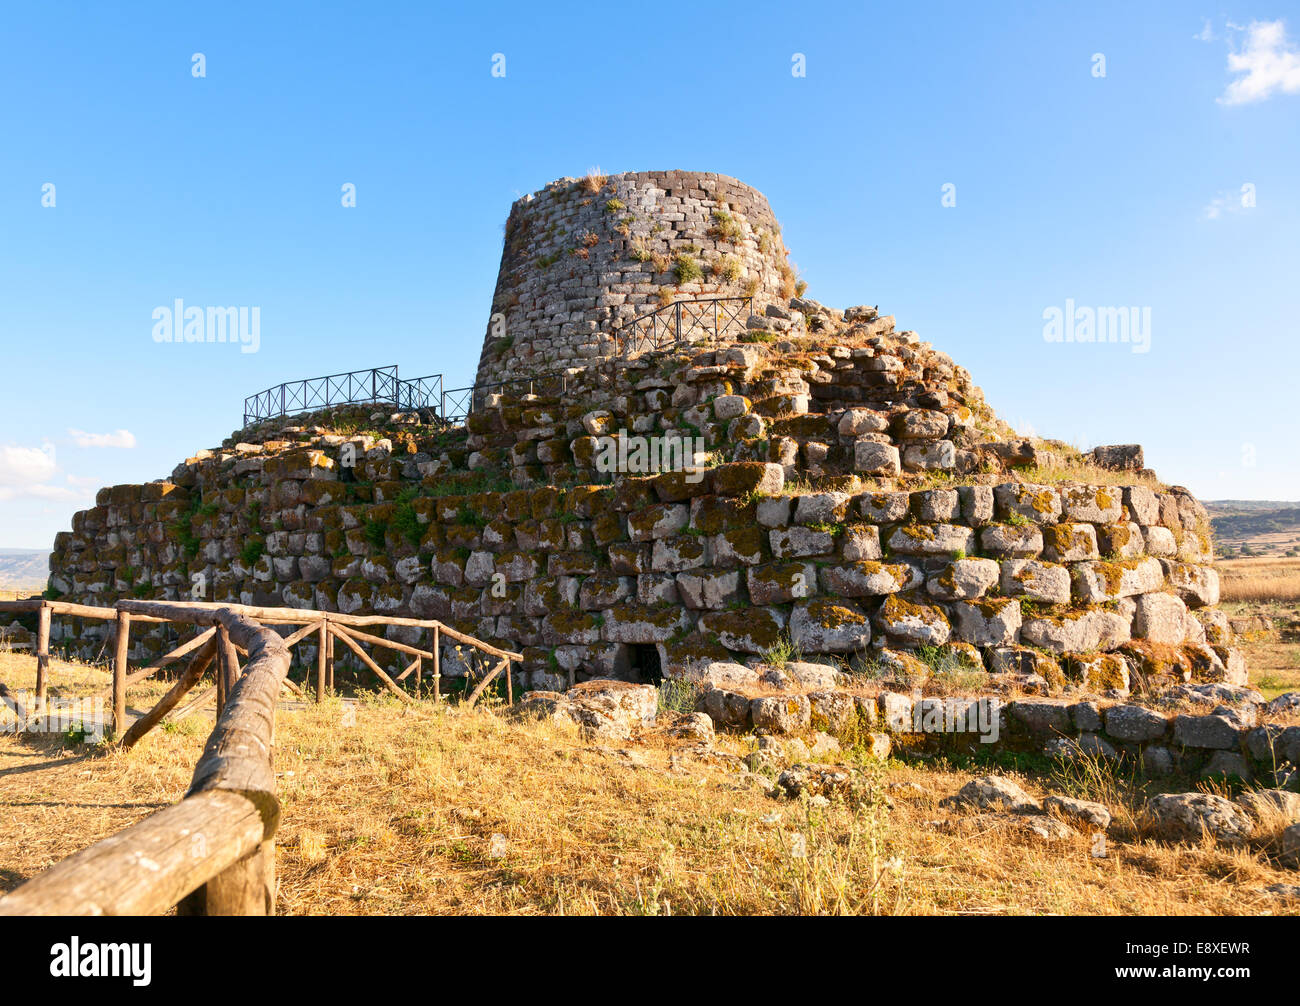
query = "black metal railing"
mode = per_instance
[
  {"x": 380, "y": 385},
  {"x": 664, "y": 327},
  {"x": 682, "y": 321}
]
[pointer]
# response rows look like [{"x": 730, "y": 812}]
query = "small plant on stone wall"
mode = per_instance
[
  {"x": 614, "y": 205},
  {"x": 470, "y": 517},
  {"x": 727, "y": 268},
  {"x": 783, "y": 651},
  {"x": 788, "y": 280},
  {"x": 594, "y": 180},
  {"x": 725, "y": 227},
  {"x": 686, "y": 269},
  {"x": 751, "y": 286},
  {"x": 375, "y": 532},
  {"x": 252, "y": 551},
  {"x": 639, "y": 252},
  {"x": 405, "y": 521}
]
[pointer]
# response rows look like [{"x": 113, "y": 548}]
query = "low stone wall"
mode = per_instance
[
  {"x": 1231, "y": 740},
  {"x": 1008, "y": 578}
]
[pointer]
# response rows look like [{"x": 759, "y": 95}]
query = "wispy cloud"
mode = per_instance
[
  {"x": 1266, "y": 62},
  {"x": 118, "y": 438},
  {"x": 1206, "y": 34},
  {"x": 26, "y": 472},
  {"x": 22, "y": 466},
  {"x": 1230, "y": 202}
]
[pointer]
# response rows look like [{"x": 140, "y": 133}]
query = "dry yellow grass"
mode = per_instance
[
  {"x": 1260, "y": 580},
  {"x": 397, "y": 813}
]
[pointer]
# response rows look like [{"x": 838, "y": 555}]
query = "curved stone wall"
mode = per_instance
[{"x": 585, "y": 255}]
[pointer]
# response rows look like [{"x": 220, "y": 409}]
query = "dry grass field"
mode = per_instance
[
  {"x": 1260, "y": 580},
  {"x": 431, "y": 810}
]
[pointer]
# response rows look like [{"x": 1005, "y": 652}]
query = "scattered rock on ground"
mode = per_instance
[
  {"x": 599, "y": 708},
  {"x": 1080, "y": 811},
  {"x": 1287, "y": 702},
  {"x": 993, "y": 792},
  {"x": 1289, "y": 851},
  {"x": 1189, "y": 816},
  {"x": 816, "y": 780},
  {"x": 688, "y": 726}
]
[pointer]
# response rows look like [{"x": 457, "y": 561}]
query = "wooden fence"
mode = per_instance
[{"x": 214, "y": 852}]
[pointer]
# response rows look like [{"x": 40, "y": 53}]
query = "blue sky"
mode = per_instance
[{"x": 1122, "y": 190}]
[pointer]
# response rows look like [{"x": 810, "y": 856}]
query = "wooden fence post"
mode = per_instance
[
  {"x": 322, "y": 651},
  {"x": 437, "y": 667},
  {"x": 238, "y": 758},
  {"x": 247, "y": 888},
  {"x": 329, "y": 656},
  {"x": 42, "y": 655},
  {"x": 119, "y": 673},
  {"x": 227, "y": 667}
]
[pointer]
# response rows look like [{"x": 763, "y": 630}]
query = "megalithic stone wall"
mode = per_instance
[
  {"x": 857, "y": 497},
  {"x": 582, "y": 256},
  {"x": 1083, "y": 583}
]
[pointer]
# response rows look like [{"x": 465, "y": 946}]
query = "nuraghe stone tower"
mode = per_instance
[
  {"x": 858, "y": 500},
  {"x": 583, "y": 256}
]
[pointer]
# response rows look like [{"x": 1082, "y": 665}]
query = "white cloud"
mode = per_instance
[
  {"x": 22, "y": 467},
  {"x": 26, "y": 473},
  {"x": 1266, "y": 63},
  {"x": 1206, "y": 33},
  {"x": 118, "y": 438}
]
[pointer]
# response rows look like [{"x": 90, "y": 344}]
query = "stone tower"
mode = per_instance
[{"x": 585, "y": 255}]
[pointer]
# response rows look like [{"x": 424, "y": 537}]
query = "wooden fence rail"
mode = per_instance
[{"x": 214, "y": 852}]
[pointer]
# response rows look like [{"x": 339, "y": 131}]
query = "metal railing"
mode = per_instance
[
  {"x": 682, "y": 321},
  {"x": 664, "y": 327},
  {"x": 378, "y": 384}
]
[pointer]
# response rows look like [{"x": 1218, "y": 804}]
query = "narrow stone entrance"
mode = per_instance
[{"x": 645, "y": 666}]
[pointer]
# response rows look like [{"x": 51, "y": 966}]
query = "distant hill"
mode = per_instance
[
  {"x": 1262, "y": 527},
  {"x": 24, "y": 568}
]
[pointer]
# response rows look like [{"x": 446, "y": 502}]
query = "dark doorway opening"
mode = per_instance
[{"x": 644, "y": 661}]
